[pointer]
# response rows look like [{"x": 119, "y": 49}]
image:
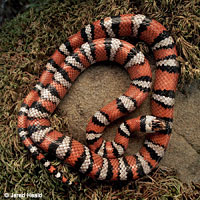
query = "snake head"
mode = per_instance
[
  {"x": 154, "y": 124},
  {"x": 160, "y": 125}
]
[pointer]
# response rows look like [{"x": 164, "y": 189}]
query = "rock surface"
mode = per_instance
[{"x": 102, "y": 83}]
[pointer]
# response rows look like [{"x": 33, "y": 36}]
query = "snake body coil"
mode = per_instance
[{"x": 98, "y": 42}]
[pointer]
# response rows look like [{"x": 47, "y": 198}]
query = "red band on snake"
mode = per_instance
[{"x": 94, "y": 43}]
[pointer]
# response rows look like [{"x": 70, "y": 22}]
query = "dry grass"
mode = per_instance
[{"x": 26, "y": 43}]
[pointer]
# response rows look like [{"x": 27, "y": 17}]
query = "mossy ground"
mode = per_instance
[{"x": 27, "y": 41}]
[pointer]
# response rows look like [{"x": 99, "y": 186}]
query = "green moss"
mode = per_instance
[{"x": 26, "y": 43}]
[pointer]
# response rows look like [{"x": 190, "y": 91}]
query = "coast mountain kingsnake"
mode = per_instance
[{"x": 98, "y": 42}]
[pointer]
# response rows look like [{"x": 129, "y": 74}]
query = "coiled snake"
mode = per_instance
[{"x": 98, "y": 42}]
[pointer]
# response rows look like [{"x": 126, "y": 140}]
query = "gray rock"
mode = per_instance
[
  {"x": 183, "y": 153},
  {"x": 102, "y": 83}
]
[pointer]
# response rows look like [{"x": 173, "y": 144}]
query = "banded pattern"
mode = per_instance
[{"x": 104, "y": 160}]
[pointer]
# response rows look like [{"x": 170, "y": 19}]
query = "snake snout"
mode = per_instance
[
  {"x": 154, "y": 124},
  {"x": 160, "y": 125}
]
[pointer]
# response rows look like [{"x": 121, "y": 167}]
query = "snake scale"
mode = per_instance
[{"x": 104, "y": 160}]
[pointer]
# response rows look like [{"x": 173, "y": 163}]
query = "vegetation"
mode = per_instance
[{"x": 26, "y": 43}]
